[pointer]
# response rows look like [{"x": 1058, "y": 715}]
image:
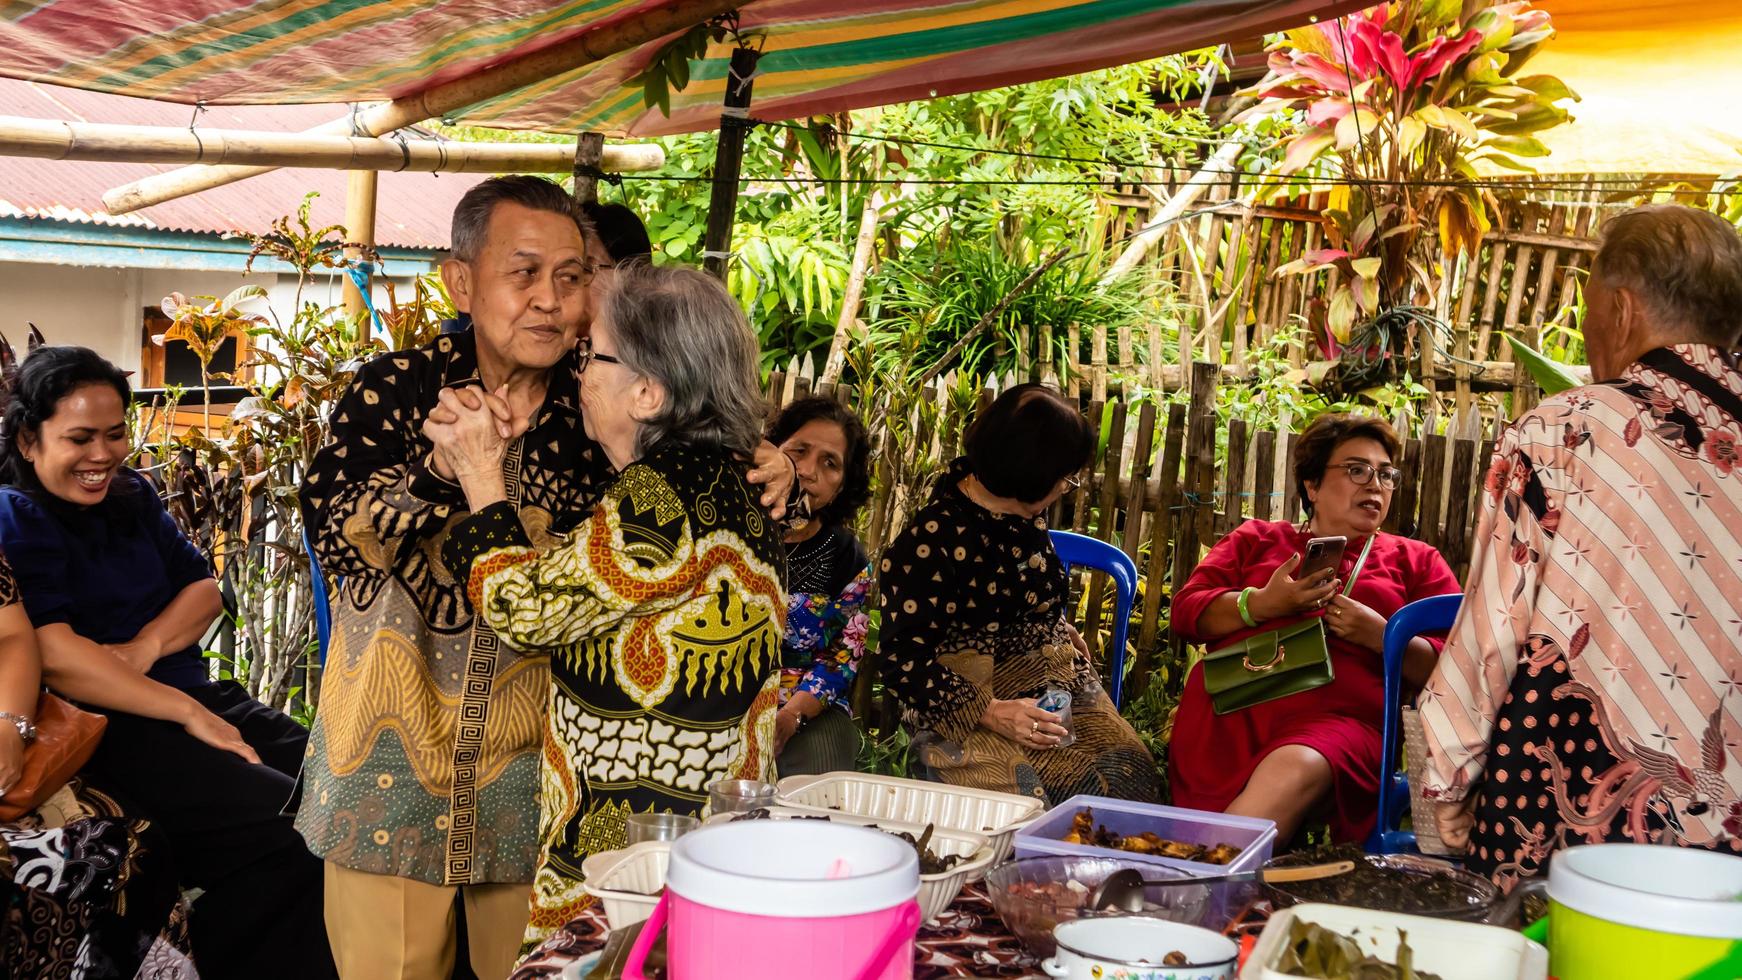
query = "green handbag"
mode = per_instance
[{"x": 1276, "y": 663}]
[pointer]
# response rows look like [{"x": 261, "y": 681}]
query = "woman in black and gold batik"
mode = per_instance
[
  {"x": 975, "y": 630},
  {"x": 663, "y": 611}
]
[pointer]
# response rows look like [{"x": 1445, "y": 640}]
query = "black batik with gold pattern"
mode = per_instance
[
  {"x": 423, "y": 759},
  {"x": 663, "y": 616},
  {"x": 975, "y": 608}
]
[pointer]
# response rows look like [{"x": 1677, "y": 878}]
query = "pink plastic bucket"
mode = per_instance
[{"x": 785, "y": 900}]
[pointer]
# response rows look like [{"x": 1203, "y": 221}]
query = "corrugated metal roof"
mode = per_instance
[{"x": 412, "y": 209}]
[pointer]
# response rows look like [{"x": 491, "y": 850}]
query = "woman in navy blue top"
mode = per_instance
[{"x": 119, "y": 599}]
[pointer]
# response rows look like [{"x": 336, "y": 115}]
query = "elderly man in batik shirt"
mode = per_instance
[
  {"x": 422, "y": 778},
  {"x": 1589, "y": 689}
]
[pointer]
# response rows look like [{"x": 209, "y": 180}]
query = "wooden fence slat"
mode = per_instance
[
  {"x": 1098, "y": 363},
  {"x": 1457, "y": 535},
  {"x": 1433, "y": 467},
  {"x": 1264, "y": 480},
  {"x": 1521, "y": 266},
  {"x": 1160, "y": 539},
  {"x": 1107, "y": 528},
  {"x": 1136, "y": 500},
  {"x": 1401, "y": 520},
  {"x": 1200, "y": 475},
  {"x": 1290, "y": 490},
  {"x": 1491, "y": 295},
  {"x": 1270, "y": 316},
  {"x": 1080, "y": 522},
  {"x": 1234, "y": 486}
]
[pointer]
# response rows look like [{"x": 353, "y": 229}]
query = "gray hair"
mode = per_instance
[
  {"x": 1684, "y": 264},
  {"x": 472, "y": 214},
  {"x": 681, "y": 328}
]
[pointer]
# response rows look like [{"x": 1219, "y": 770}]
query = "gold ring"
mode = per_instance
[{"x": 1035, "y": 729}]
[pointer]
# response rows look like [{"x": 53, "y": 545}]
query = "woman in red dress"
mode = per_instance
[{"x": 1315, "y": 752}]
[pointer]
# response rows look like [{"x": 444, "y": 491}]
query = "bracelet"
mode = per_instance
[
  {"x": 26, "y": 728},
  {"x": 1245, "y": 613}
]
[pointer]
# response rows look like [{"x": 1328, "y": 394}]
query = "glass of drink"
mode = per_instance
[
  {"x": 739, "y": 796},
  {"x": 1058, "y": 701},
  {"x": 660, "y": 826}
]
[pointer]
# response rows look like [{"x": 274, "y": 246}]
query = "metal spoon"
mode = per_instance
[{"x": 1123, "y": 889}]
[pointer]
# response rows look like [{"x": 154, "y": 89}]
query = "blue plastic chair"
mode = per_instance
[
  {"x": 323, "y": 609},
  {"x": 1421, "y": 616},
  {"x": 1080, "y": 549}
]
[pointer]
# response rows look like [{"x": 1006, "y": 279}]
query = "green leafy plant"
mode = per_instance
[
  {"x": 669, "y": 69},
  {"x": 205, "y": 326},
  {"x": 1549, "y": 375},
  {"x": 233, "y": 489}
]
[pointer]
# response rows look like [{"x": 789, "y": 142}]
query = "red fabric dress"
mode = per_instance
[{"x": 1212, "y": 756}]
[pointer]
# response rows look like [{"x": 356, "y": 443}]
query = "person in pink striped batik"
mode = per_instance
[{"x": 1589, "y": 689}]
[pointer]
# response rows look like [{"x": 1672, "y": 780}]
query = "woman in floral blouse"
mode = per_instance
[{"x": 827, "y": 580}]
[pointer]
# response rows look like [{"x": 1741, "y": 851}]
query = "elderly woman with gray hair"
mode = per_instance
[{"x": 663, "y": 611}]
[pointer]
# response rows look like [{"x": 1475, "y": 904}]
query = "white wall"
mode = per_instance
[{"x": 103, "y": 308}]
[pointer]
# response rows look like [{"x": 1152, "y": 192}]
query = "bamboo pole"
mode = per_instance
[
  {"x": 729, "y": 161},
  {"x": 862, "y": 253},
  {"x": 385, "y": 117},
  {"x": 53, "y": 139},
  {"x": 359, "y": 235},
  {"x": 589, "y": 151},
  {"x": 1215, "y": 169}
]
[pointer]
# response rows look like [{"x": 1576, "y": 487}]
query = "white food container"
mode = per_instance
[
  {"x": 997, "y": 815},
  {"x": 936, "y": 891},
  {"x": 627, "y": 882},
  {"x": 1453, "y": 950}
]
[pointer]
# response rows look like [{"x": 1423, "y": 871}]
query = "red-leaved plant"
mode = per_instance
[{"x": 1400, "y": 108}]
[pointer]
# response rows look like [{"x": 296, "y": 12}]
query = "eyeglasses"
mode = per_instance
[
  {"x": 588, "y": 355},
  {"x": 1361, "y": 474},
  {"x": 1073, "y": 484}
]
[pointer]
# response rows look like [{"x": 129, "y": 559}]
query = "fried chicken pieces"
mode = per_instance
[{"x": 1085, "y": 831}]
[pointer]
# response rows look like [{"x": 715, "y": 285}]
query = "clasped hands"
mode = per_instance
[{"x": 471, "y": 430}]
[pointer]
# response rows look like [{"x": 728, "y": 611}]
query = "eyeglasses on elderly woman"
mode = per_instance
[{"x": 587, "y": 355}]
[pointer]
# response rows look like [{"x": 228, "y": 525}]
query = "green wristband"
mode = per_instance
[{"x": 1245, "y": 613}]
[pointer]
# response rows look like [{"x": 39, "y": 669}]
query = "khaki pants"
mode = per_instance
[{"x": 384, "y": 927}]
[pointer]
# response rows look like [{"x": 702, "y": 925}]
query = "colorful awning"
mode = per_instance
[{"x": 819, "y": 56}]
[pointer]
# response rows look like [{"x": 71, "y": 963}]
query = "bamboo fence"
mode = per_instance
[{"x": 1218, "y": 266}]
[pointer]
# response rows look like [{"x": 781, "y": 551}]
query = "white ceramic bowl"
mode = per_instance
[{"x": 1106, "y": 947}]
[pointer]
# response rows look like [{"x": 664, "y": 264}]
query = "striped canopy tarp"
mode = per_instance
[{"x": 819, "y": 56}]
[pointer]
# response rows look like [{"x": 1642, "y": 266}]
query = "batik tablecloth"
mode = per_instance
[{"x": 967, "y": 940}]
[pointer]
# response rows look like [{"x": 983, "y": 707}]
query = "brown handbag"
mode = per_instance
[{"x": 66, "y": 738}]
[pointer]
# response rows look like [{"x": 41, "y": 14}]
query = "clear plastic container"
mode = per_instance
[{"x": 1253, "y": 836}]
